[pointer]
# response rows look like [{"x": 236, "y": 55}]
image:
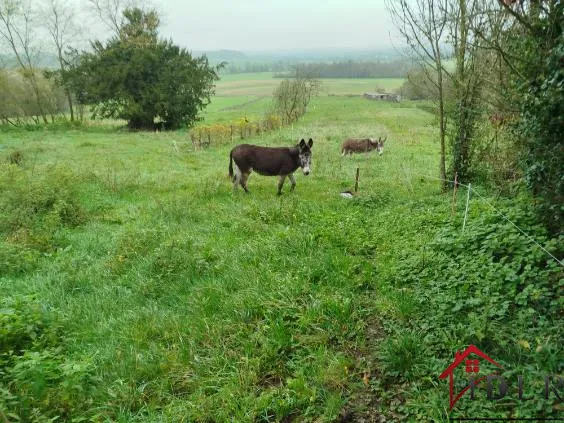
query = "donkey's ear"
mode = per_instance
[
  {"x": 302, "y": 143},
  {"x": 310, "y": 143},
  {"x": 385, "y": 138}
]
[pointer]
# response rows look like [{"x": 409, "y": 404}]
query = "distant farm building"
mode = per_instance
[{"x": 382, "y": 97}]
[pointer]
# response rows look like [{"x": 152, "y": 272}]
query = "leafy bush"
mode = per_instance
[
  {"x": 292, "y": 97},
  {"x": 541, "y": 129},
  {"x": 488, "y": 286},
  {"x": 495, "y": 158},
  {"x": 24, "y": 325},
  {"x": 16, "y": 259},
  {"x": 38, "y": 382},
  {"x": 32, "y": 208},
  {"x": 536, "y": 48},
  {"x": 16, "y": 157},
  {"x": 142, "y": 79}
]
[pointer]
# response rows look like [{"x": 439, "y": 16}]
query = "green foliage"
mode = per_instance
[
  {"x": 24, "y": 325},
  {"x": 489, "y": 287},
  {"x": 170, "y": 297},
  {"x": 16, "y": 157},
  {"x": 495, "y": 157},
  {"x": 33, "y": 209},
  {"x": 144, "y": 80},
  {"x": 464, "y": 114},
  {"x": 402, "y": 355},
  {"x": 38, "y": 382},
  {"x": 16, "y": 258},
  {"x": 534, "y": 51},
  {"x": 542, "y": 124}
]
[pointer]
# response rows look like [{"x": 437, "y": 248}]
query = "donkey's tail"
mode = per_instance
[{"x": 231, "y": 164}]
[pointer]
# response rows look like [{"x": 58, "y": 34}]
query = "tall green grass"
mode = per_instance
[{"x": 135, "y": 285}]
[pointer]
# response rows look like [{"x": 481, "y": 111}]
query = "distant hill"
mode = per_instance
[{"x": 300, "y": 55}]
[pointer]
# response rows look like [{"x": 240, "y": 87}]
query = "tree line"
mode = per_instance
[
  {"x": 350, "y": 69},
  {"x": 233, "y": 67}
]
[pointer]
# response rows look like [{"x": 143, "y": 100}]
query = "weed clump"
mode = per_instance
[
  {"x": 16, "y": 158},
  {"x": 34, "y": 208},
  {"x": 38, "y": 382}
]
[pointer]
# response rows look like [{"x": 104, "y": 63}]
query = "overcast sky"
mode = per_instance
[{"x": 259, "y": 25}]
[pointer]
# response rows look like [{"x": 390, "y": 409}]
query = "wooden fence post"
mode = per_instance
[
  {"x": 356, "y": 180},
  {"x": 467, "y": 202},
  {"x": 454, "y": 193}
]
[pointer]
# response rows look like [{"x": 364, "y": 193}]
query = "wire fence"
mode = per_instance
[
  {"x": 228, "y": 132},
  {"x": 409, "y": 173},
  {"x": 495, "y": 209}
]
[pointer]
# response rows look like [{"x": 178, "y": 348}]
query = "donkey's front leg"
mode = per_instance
[
  {"x": 281, "y": 180},
  {"x": 292, "y": 181}
]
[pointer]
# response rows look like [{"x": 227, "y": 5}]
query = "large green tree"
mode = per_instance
[
  {"x": 539, "y": 85},
  {"x": 529, "y": 37},
  {"x": 144, "y": 80}
]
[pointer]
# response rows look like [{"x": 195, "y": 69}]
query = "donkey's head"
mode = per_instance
[
  {"x": 304, "y": 151},
  {"x": 378, "y": 145}
]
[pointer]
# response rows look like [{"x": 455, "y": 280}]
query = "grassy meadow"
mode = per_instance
[
  {"x": 262, "y": 84},
  {"x": 136, "y": 285}
]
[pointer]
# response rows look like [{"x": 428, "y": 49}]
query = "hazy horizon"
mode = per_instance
[{"x": 254, "y": 26}]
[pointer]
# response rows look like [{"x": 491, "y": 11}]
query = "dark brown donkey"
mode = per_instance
[
  {"x": 269, "y": 161},
  {"x": 362, "y": 145}
]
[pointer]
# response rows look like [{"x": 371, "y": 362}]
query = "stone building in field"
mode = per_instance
[{"x": 382, "y": 97}]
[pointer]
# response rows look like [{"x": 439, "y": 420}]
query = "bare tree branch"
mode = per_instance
[
  {"x": 61, "y": 27},
  {"x": 422, "y": 23},
  {"x": 16, "y": 29},
  {"x": 516, "y": 15},
  {"x": 110, "y": 12}
]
